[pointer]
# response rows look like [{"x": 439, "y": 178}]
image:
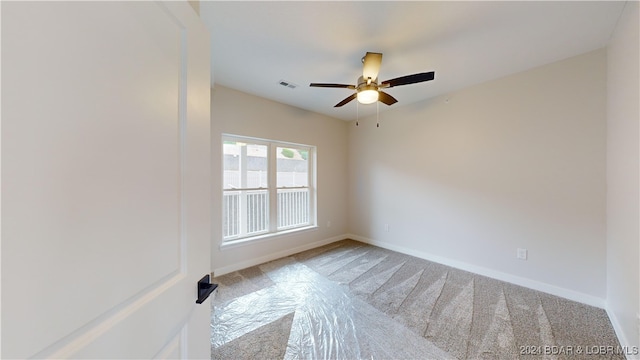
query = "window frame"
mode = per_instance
[{"x": 272, "y": 189}]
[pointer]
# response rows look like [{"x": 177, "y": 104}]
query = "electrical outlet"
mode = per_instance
[
  {"x": 386, "y": 227},
  {"x": 522, "y": 254},
  {"x": 329, "y": 223}
]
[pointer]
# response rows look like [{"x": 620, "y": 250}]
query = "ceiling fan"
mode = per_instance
[{"x": 368, "y": 89}]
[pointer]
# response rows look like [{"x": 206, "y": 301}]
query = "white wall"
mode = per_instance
[
  {"x": 623, "y": 116},
  {"x": 468, "y": 178},
  {"x": 238, "y": 113}
]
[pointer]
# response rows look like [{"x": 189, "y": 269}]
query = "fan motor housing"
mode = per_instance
[{"x": 364, "y": 84}]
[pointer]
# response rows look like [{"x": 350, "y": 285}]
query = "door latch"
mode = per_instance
[{"x": 205, "y": 288}]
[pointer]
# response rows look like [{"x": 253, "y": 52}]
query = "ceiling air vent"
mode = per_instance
[{"x": 288, "y": 84}]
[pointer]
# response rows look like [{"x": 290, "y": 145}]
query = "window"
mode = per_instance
[{"x": 267, "y": 187}]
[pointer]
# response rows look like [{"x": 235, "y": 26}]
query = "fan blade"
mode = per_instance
[
  {"x": 353, "y": 96},
  {"x": 371, "y": 65},
  {"x": 385, "y": 98},
  {"x": 353, "y": 87},
  {"x": 409, "y": 79}
]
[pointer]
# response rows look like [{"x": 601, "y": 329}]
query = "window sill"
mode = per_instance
[{"x": 259, "y": 238}]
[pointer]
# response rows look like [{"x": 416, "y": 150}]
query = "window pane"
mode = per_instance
[
  {"x": 293, "y": 167},
  {"x": 293, "y": 208},
  {"x": 231, "y": 159},
  {"x": 230, "y": 214},
  {"x": 245, "y": 165},
  {"x": 257, "y": 212},
  {"x": 244, "y": 212}
]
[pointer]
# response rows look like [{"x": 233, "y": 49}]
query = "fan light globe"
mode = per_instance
[{"x": 368, "y": 96}]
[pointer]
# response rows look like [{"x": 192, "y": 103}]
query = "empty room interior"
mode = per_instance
[
  {"x": 510, "y": 165},
  {"x": 321, "y": 180}
]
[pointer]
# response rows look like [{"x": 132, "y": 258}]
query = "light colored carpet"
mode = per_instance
[{"x": 349, "y": 300}]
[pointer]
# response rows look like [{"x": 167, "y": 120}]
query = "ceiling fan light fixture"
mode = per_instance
[
  {"x": 367, "y": 95},
  {"x": 367, "y": 90}
]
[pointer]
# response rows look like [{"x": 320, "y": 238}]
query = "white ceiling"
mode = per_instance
[{"x": 257, "y": 44}]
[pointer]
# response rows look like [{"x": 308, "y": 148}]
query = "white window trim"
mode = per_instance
[
  {"x": 229, "y": 244},
  {"x": 273, "y": 189}
]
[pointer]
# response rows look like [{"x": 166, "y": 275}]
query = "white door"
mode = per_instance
[{"x": 105, "y": 180}]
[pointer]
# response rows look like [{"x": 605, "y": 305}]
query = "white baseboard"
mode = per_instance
[
  {"x": 274, "y": 256},
  {"x": 528, "y": 283},
  {"x": 620, "y": 333}
]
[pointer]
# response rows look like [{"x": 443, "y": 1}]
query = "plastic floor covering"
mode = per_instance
[{"x": 349, "y": 300}]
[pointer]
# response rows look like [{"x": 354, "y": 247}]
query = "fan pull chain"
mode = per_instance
[
  {"x": 377, "y": 114},
  {"x": 357, "y": 114}
]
